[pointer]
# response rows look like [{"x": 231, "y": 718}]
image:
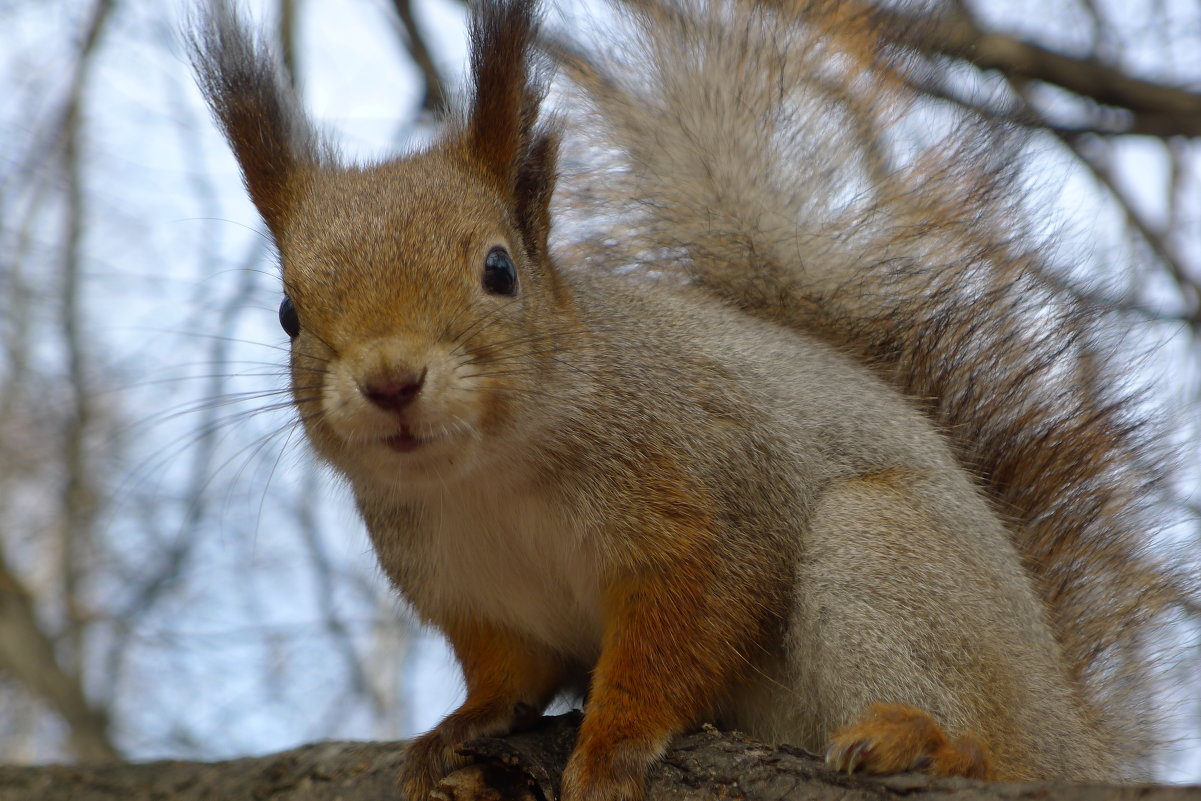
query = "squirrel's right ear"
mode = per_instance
[{"x": 256, "y": 107}]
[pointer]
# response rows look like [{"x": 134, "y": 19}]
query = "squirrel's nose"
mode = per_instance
[{"x": 394, "y": 392}]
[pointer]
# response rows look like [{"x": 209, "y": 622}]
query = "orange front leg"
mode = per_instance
[
  {"x": 509, "y": 679},
  {"x": 673, "y": 642}
]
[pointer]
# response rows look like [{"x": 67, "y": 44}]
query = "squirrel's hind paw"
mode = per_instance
[{"x": 893, "y": 738}]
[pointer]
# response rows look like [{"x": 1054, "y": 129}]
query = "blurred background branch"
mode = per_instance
[{"x": 1124, "y": 103}]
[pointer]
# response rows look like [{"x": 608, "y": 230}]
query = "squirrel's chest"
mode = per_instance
[{"x": 515, "y": 559}]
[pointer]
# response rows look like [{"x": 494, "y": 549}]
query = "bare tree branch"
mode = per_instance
[
  {"x": 78, "y": 493},
  {"x": 957, "y": 34},
  {"x": 1155, "y": 109},
  {"x": 435, "y": 98},
  {"x": 1154, "y": 238},
  {"x": 287, "y": 38},
  {"x": 29, "y": 655}
]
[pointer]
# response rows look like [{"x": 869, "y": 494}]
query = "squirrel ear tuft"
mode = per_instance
[
  {"x": 534, "y": 185},
  {"x": 504, "y": 99},
  {"x": 502, "y": 133},
  {"x": 256, "y": 108}
]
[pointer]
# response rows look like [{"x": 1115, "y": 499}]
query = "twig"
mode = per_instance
[
  {"x": 79, "y": 493},
  {"x": 1156, "y": 109},
  {"x": 435, "y": 99}
]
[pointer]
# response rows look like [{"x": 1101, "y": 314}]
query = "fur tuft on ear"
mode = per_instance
[
  {"x": 503, "y": 135},
  {"x": 504, "y": 98},
  {"x": 534, "y": 185},
  {"x": 255, "y": 106}
]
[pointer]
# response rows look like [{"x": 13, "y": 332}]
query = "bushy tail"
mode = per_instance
[{"x": 776, "y": 154}]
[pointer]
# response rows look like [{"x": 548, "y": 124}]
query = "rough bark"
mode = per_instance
[{"x": 524, "y": 767}]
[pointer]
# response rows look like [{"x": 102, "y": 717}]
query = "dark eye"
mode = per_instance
[
  {"x": 500, "y": 276},
  {"x": 288, "y": 317}
]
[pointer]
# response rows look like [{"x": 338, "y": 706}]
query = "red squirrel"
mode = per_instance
[{"x": 793, "y": 441}]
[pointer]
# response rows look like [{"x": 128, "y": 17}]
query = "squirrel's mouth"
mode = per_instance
[{"x": 405, "y": 441}]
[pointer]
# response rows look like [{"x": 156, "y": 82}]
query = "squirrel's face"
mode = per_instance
[
  {"x": 422, "y": 308},
  {"x": 420, "y": 325}
]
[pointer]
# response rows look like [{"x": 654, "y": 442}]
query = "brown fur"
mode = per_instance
[{"x": 797, "y": 441}]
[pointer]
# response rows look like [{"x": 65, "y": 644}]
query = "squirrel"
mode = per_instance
[{"x": 783, "y": 429}]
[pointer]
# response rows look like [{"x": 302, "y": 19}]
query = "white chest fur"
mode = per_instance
[{"x": 514, "y": 557}]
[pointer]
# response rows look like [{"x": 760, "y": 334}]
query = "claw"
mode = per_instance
[
  {"x": 859, "y": 754},
  {"x": 845, "y": 758},
  {"x": 893, "y": 738}
]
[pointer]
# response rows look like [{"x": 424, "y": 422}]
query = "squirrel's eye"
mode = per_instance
[
  {"x": 288, "y": 317},
  {"x": 500, "y": 276}
]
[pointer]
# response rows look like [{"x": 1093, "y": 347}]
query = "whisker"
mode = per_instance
[
  {"x": 287, "y": 349},
  {"x": 292, "y": 428},
  {"x": 516, "y": 391},
  {"x": 495, "y": 373},
  {"x": 214, "y": 432},
  {"x": 155, "y": 382},
  {"x": 477, "y": 327},
  {"x": 232, "y": 399}
]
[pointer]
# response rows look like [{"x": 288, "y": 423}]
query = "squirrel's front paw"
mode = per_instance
[
  {"x": 595, "y": 775},
  {"x": 433, "y": 756},
  {"x": 893, "y": 738},
  {"x": 428, "y": 760}
]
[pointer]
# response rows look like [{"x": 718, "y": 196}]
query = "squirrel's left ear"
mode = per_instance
[
  {"x": 503, "y": 134},
  {"x": 254, "y": 103}
]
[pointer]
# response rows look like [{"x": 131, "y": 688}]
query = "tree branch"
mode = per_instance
[
  {"x": 1156, "y": 109},
  {"x": 1154, "y": 238},
  {"x": 29, "y": 655},
  {"x": 527, "y": 767},
  {"x": 79, "y": 494},
  {"x": 435, "y": 92}
]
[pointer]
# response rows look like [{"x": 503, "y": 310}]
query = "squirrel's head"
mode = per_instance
[{"x": 418, "y": 294}]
